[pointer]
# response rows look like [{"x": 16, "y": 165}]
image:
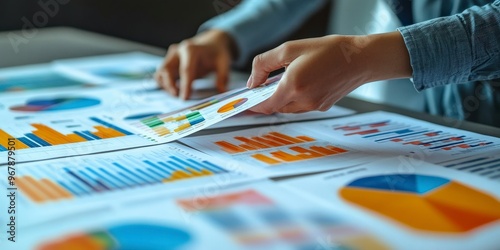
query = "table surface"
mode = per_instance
[{"x": 48, "y": 44}]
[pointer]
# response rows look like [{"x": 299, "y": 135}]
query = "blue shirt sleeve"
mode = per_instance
[
  {"x": 455, "y": 49},
  {"x": 256, "y": 24}
]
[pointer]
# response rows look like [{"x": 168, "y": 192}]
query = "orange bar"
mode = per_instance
[
  {"x": 206, "y": 172},
  {"x": 265, "y": 159},
  {"x": 61, "y": 192},
  {"x": 75, "y": 138},
  {"x": 337, "y": 149},
  {"x": 323, "y": 150},
  {"x": 248, "y": 147},
  {"x": 49, "y": 135},
  {"x": 277, "y": 139},
  {"x": 23, "y": 184},
  {"x": 41, "y": 187},
  {"x": 306, "y": 138},
  {"x": 251, "y": 142},
  {"x": 286, "y": 137},
  {"x": 268, "y": 142},
  {"x": 4, "y": 141},
  {"x": 113, "y": 133},
  {"x": 101, "y": 132},
  {"x": 229, "y": 147},
  {"x": 306, "y": 153},
  {"x": 285, "y": 156},
  {"x": 194, "y": 172}
]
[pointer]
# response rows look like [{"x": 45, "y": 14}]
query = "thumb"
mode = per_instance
[{"x": 268, "y": 62}]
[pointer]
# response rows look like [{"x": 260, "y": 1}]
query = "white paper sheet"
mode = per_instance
[
  {"x": 280, "y": 150},
  {"x": 59, "y": 188},
  {"x": 412, "y": 204},
  {"x": 256, "y": 216}
]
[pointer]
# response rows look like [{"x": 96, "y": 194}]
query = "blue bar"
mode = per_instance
[
  {"x": 102, "y": 177},
  {"x": 114, "y": 177},
  {"x": 110, "y": 125},
  {"x": 197, "y": 120},
  {"x": 477, "y": 145},
  {"x": 81, "y": 180},
  {"x": 201, "y": 166},
  {"x": 150, "y": 170},
  {"x": 37, "y": 139},
  {"x": 84, "y": 191},
  {"x": 157, "y": 167},
  {"x": 89, "y": 134},
  {"x": 478, "y": 164},
  {"x": 403, "y": 131},
  {"x": 399, "y": 136},
  {"x": 167, "y": 166},
  {"x": 215, "y": 166},
  {"x": 68, "y": 188},
  {"x": 2, "y": 148},
  {"x": 130, "y": 172},
  {"x": 86, "y": 137},
  {"x": 134, "y": 182},
  {"x": 465, "y": 162},
  {"x": 28, "y": 142},
  {"x": 179, "y": 167},
  {"x": 183, "y": 162},
  {"x": 494, "y": 166},
  {"x": 425, "y": 142},
  {"x": 447, "y": 145},
  {"x": 147, "y": 175},
  {"x": 99, "y": 183}
]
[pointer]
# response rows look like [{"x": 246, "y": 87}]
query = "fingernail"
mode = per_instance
[{"x": 249, "y": 82}]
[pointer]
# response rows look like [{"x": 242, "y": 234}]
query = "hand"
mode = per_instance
[
  {"x": 194, "y": 58},
  {"x": 320, "y": 71}
]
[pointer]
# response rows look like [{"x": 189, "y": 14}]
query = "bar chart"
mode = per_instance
[
  {"x": 276, "y": 152},
  {"x": 388, "y": 131},
  {"x": 56, "y": 136},
  {"x": 276, "y": 140},
  {"x": 486, "y": 165},
  {"x": 115, "y": 173}
]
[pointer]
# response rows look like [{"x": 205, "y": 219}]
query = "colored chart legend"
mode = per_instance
[
  {"x": 181, "y": 122},
  {"x": 276, "y": 140},
  {"x": 430, "y": 203},
  {"x": 76, "y": 180},
  {"x": 46, "y": 136},
  {"x": 388, "y": 131}
]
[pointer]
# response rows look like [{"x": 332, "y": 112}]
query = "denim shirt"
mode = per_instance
[
  {"x": 456, "y": 59},
  {"x": 444, "y": 52}
]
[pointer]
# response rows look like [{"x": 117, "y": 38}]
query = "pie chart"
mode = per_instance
[
  {"x": 56, "y": 104},
  {"x": 232, "y": 105},
  {"x": 123, "y": 237},
  {"x": 422, "y": 202}
]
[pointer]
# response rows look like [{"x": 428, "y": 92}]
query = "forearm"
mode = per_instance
[
  {"x": 455, "y": 49},
  {"x": 255, "y": 24}
]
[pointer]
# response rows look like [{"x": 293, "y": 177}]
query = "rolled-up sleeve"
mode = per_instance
[
  {"x": 255, "y": 24},
  {"x": 455, "y": 49}
]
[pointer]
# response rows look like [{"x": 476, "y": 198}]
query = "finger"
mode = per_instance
[
  {"x": 222, "y": 73},
  {"x": 169, "y": 71},
  {"x": 268, "y": 62},
  {"x": 279, "y": 99},
  {"x": 187, "y": 54}
]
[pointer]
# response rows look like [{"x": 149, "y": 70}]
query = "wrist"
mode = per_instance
[
  {"x": 221, "y": 39},
  {"x": 383, "y": 56}
]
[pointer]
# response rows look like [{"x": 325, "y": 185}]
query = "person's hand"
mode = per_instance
[
  {"x": 193, "y": 58},
  {"x": 320, "y": 71}
]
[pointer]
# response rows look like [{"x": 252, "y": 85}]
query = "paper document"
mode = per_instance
[{"x": 412, "y": 204}]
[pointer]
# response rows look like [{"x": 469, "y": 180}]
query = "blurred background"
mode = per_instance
[
  {"x": 163, "y": 22},
  {"x": 154, "y": 22}
]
